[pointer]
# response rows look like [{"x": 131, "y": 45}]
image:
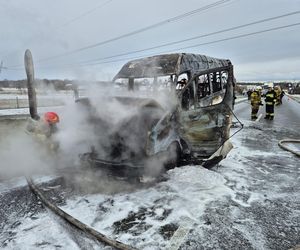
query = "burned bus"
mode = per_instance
[
  {"x": 166, "y": 110},
  {"x": 191, "y": 124}
]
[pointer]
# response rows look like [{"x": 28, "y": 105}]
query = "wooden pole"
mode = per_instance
[{"x": 30, "y": 85}]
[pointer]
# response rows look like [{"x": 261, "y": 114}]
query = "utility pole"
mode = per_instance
[
  {"x": 30, "y": 85},
  {"x": 1, "y": 66}
]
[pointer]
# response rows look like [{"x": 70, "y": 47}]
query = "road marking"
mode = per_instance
[{"x": 258, "y": 118}]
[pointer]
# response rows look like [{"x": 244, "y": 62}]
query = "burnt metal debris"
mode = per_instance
[
  {"x": 192, "y": 128},
  {"x": 190, "y": 124}
]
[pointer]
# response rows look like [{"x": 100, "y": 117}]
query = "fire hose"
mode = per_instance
[
  {"x": 73, "y": 221},
  {"x": 282, "y": 142}
]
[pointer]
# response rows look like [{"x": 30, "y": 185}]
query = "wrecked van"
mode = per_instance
[{"x": 189, "y": 124}]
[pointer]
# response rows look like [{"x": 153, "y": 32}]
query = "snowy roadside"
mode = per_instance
[
  {"x": 238, "y": 205},
  {"x": 23, "y": 113},
  {"x": 16, "y": 105},
  {"x": 294, "y": 97},
  {"x": 240, "y": 98},
  {"x": 250, "y": 202},
  {"x": 240, "y": 200}
]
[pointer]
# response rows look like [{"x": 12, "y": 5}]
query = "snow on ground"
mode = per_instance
[
  {"x": 8, "y": 185},
  {"x": 26, "y": 224},
  {"x": 251, "y": 201},
  {"x": 17, "y": 104},
  {"x": 295, "y": 97},
  {"x": 20, "y": 182},
  {"x": 41, "y": 232},
  {"x": 25, "y": 111},
  {"x": 229, "y": 199},
  {"x": 181, "y": 198},
  {"x": 54, "y": 96}
]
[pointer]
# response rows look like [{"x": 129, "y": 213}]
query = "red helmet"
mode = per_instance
[{"x": 51, "y": 117}]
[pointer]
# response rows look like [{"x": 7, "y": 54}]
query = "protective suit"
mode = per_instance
[
  {"x": 44, "y": 128},
  {"x": 277, "y": 90},
  {"x": 270, "y": 100},
  {"x": 255, "y": 99}
]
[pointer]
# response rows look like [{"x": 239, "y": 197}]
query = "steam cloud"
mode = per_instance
[{"x": 107, "y": 124}]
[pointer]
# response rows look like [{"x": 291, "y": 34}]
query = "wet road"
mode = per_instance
[
  {"x": 257, "y": 206},
  {"x": 264, "y": 213},
  {"x": 286, "y": 115}
]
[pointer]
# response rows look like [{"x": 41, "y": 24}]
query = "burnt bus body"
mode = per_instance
[{"x": 193, "y": 127}]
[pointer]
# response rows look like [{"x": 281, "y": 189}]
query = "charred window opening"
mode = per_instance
[
  {"x": 203, "y": 86},
  {"x": 211, "y": 88},
  {"x": 182, "y": 80},
  {"x": 188, "y": 100},
  {"x": 148, "y": 84},
  {"x": 187, "y": 97},
  {"x": 216, "y": 81}
]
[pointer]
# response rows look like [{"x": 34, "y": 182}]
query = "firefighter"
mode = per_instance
[
  {"x": 249, "y": 92},
  {"x": 270, "y": 100},
  {"x": 44, "y": 128},
  {"x": 255, "y": 103},
  {"x": 278, "y": 93},
  {"x": 51, "y": 119}
]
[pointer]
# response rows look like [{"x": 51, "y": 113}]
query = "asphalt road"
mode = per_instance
[
  {"x": 263, "y": 211},
  {"x": 287, "y": 115}
]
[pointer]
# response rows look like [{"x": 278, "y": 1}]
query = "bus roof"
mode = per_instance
[{"x": 170, "y": 64}]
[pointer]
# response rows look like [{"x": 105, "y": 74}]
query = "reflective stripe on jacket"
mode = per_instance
[{"x": 270, "y": 97}]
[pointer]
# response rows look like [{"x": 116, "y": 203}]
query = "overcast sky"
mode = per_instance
[{"x": 58, "y": 33}]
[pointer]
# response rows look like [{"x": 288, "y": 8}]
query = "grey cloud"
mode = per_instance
[{"x": 51, "y": 28}]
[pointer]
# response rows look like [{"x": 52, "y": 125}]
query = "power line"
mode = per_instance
[
  {"x": 216, "y": 41},
  {"x": 85, "y": 14},
  {"x": 182, "y": 48},
  {"x": 195, "y": 37},
  {"x": 167, "y": 21},
  {"x": 190, "y": 39},
  {"x": 73, "y": 20},
  {"x": 243, "y": 35},
  {"x": 199, "y": 45}
]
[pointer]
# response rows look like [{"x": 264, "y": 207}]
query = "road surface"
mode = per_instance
[{"x": 251, "y": 200}]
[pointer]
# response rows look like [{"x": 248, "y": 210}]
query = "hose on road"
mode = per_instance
[
  {"x": 281, "y": 144},
  {"x": 99, "y": 236}
]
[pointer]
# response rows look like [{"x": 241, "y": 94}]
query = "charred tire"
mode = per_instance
[{"x": 173, "y": 154}]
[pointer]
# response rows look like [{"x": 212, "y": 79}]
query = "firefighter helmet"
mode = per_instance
[{"x": 51, "y": 117}]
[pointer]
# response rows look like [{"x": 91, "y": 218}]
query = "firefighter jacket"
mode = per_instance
[
  {"x": 278, "y": 92},
  {"x": 270, "y": 97},
  {"x": 255, "y": 98}
]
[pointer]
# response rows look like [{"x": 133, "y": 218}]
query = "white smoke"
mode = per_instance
[
  {"x": 20, "y": 153},
  {"x": 84, "y": 127},
  {"x": 100, "y": 126}
]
